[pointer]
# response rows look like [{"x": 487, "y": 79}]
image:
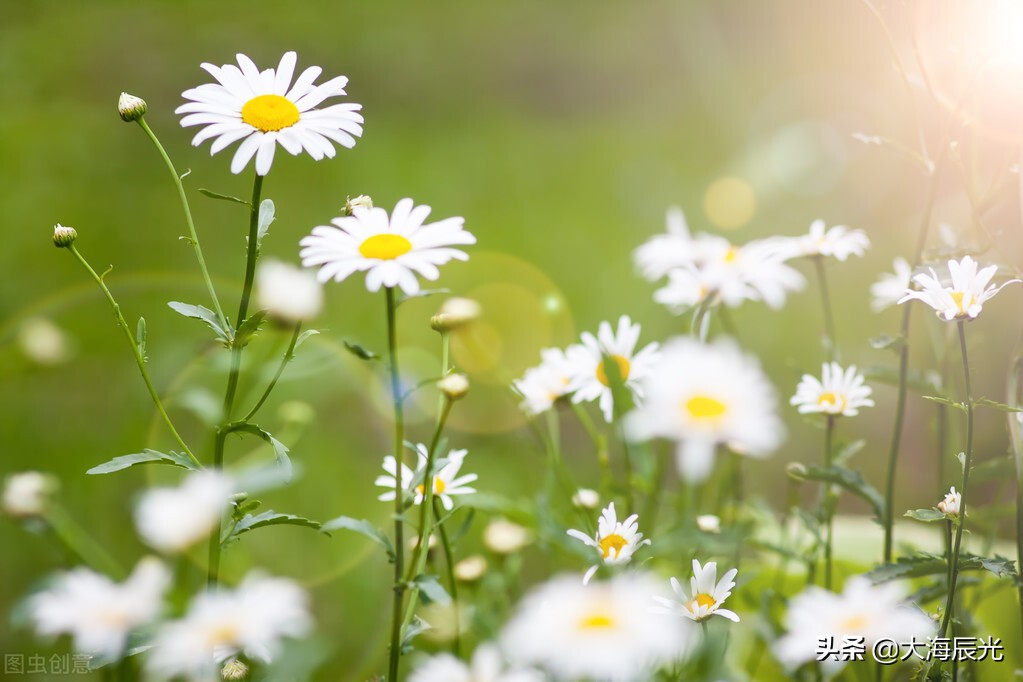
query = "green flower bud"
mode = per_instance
[
  {"x": 130, "y": 107},
  {"x": 63, "y": 236}
]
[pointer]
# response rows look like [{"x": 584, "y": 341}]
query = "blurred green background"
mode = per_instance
[{"x": 560, "y": 131}]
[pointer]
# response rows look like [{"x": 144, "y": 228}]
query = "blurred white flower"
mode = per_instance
[
  {"x": 951, "y": 503},
  {"x": 838, "y": 392},
  {"x": 454, "y": 386},
  {"x": 838, "y": 241},
  {"x": 173, "y": 519},
  {"x": 486, "y": 666},
  {"x": 602, "y": 631},
  {"x": 288, "y": 293},
  {"x": 455, "y": 313},
  {"x": 887, "y": 290},
  {"x": 265, "y": 109},
  {"x": 707, "y": 594},
  {"x": 28, "y": 493},
  {"x": 505, "y": 537},
  {"x": 665, "y": 252},
  {"x": 43, "y": 342},
  {"x": 586, "y": 498},
  {"x": 97, "y": 612},
  {"x": 251, "y": 619},
  {"x": 542, "y": 385},
  {"x": 862, "y": 610},
  {"x": 962, "y": 300},
  {"x": 446, "y": 482},
  {"x": 471, "y": 568},
  {"x": 708, "y": 523},
  {"x": 391, "y": 250},
  {"x": 703, "y": 396},
  {"x": 589, "y": 380},
  {"x": 615, "y": 540}
]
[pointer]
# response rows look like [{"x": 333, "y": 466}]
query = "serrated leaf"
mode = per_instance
[
  {"x": 305, "y": 335},
  {"x": 147, "y": 456},
  {"x": 431, "y": 588},
  {"x": 360, "y": 352},
  {"x": 942, "y": 400},
  {"x": 223, "y": 197},
  {"x": 851, "y": 481},
  {"x": 280, "y": 449},
  {"x": 199, "y": 312},
  {"x": 140, "y": 337},
  {"x": 267, "y": 518},
  {"x": 926, "y": 515},
  {"x": 361, "y": 526},
  {"x": 924, "y": 564},
  {"x": 996, "y": 405},
  {"x": 883, "y": 341},
  {"x": 266, "y": 217},
  {"x": 248, "y": 329}
]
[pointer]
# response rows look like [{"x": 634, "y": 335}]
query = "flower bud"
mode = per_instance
[
  {"x": 454, "y": 386},
  {"x": 796, "y": 471},
  {"x": 234, "y": 670},
  {"x": 505, "y": 537},
  {"x": 471, "y": 568},
  {"x": 950, "y": 505},
  {"x": 63, "y": 236},
  {"x": 708, "y": 523},
  {"x": 28, "y": 493},
  {"x": 130, "y": 107},
  {"x": 454, "y": 314},
  {"x": 585, "y": 498},
  {"x": 362, "y": 201}
]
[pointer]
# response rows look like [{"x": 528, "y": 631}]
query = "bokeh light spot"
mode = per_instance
[{"x": 729, "y": 202}]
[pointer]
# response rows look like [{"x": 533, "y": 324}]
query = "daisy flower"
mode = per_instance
[
  {"x": 887, "y": 290},
  {"x": 964, "y": 299},
  {"x": 173, "y": 519},
  {"x": 28, "y": 493},
  {"x": 287, "y": 293},
  {"x": 708, "y": 593},
  {"x": 951, "y": 503},
  {"x": 487, "y": 665},
  {"x": 251, "y": 620},
  {"x": 601, "y": 631},
  {"x": 97, "y": 612},
  {"x": 541, "y": 386},
  {"x": 864, "y": 610},
  {"x": 264, "y": 109},
  {"x": 589, "y": 379},
  {"x": 616, "y": 540},
  {"x": 839, "y": 241},
  {"x": 391, "y": 250},
  {"x": 446, "y": 482},
  {"x": 665, "y": 252},
  {"x": 838, "y": 392},
  {"x": 703, "y": 396}
]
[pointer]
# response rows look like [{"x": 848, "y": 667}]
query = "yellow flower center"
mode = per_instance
[
  {"x": 832, "y": 401},
  {"x": 597, "y": 621},
  {"x": 623, "y": 369},
  {"x": 731, "y": 254},
  {"x": 385, "y": 246},
  {"x": 270, "y": 113},
  {"x": 613, "y": 541},
  {"x": 701, "y": 599},
  {"x": 855, "y": 623},
  {"x": 223, "y": 634},
  {"x": 438, "y": 487},
  {"x": 961, "y": 305},
  {"x": 705, "y": 407}
]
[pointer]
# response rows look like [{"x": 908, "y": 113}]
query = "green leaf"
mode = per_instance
[
  {"x": 431, "y": 588},
  {"x": 846, "y": 452},
  {"x": 199, "y": 312},
  {"x": 248, "y": 329},
  {"x": 147, "y": 456},
  {"x": 422, "y": 293},
  {"x": 280, "y": 449},
  {"x": 267, "y": 518},
  {"x": 266, "y": 217},
  {"x": 360, "y": 352},
  {"x": 918, "y": 381},
  {"x": 305, "y": 335},
  {"x": 416, "y": 627},
  {"x": 926, "y": 515},
  {"x": 984, "y": 402},
  {"x": 884, "y": 341},
  {"x": 942, "y": 400},
  {"x": 992, "y": 469},
  {"x": 222, "y": 197},
  {"x": 852, "y": 481},
  {"x": 363, "y": 527},
  {"x": 140, "y": 337},
  {"x": 925, "y": 564}
]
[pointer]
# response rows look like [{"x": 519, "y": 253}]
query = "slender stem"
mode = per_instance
[
  {"x": 139, "y": 360},
  {"x": 829, "y": 500},
  {"x": 963, "y": 494},
  {"x": 600, "y": 443},
  {"x": 289, "y": 355},
  {"x": 81, "y": 546},
  {"x": 193, "y": 238},
  {"x": 449, "y": 562},
  {"x": 445, "y": 354},
  {"x": 399, "y": 438},
  {"x": 1017, "y": 455},
  {"x": 830, "y": 340},
  {"x": 627, "y": 462}
]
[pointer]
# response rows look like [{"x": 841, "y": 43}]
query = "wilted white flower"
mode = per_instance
[
  {"x": 265, "y": 109},
  {"x": 706, "y": 597},
  {"x": 130, "y": 107},
  {"x": 601, "y": 631},
  {"x": 703, "y": 396},
  {"x": 288, "y": 293},
  {"x": 962, "y": 300},
  {"x": 950, "y": 505},
  {"x": 541, "y": 386},
  {"x": 589, "y": 380},
  {"x": 862, "y": 610},
  {"x": 97, "y": 612},
  {"x": 454, "y": 314},
  {"x": 708, "y": 523},
  {"x": 392, "y": 250},
  {"x": 616, "y": 540},
  {"x": 471, "y": 568},
  {"x": 838, "y": 241},
  {"x": 251, "y": 620},
  {"x": 586, "y": 498},
  {"x": 486, "y": 666},
  {"x": 173, "y": 519},
  {"x": 838, "y": 392},
  {"x": 28, "y": 493},
  {"x": 504, "y": 537},
  {"x": 446, "y": 482},
  {"x": 887, "y": 290}
]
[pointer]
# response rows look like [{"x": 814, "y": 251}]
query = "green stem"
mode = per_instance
[
  {"x": 967, "y": 459},
  {"x": 1017, "y": 456},
  {"x": 193, "y": 238},
  {"x": 830, "y": 340},
  {"x": 79, "y": 544},
  {"x": 600, "y": 443},
  {"x": 829, "y": 502},
  {"x": 399, "y": 438},
  {"x": 289, "y": 355},
  {"x": 139, "y": 360},
  {"x": 445, "y": 353},
  {"x": 449, "y": 562},
  {"x": 418, "y": 564}
]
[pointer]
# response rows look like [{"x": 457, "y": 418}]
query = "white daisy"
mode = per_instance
[
  {"x": 838, "y": 241},
  {"x": 708, "y": 593},
  {"x": 665, "y": 252},
  {"x": 541, "y": 386},
  {"x": 97, "y": 612},
  {"x": 887, "y": 290},
  {"x": 951, "y": 503},
  {"x": 962, "y": 300},
  {"x": 251, "y": 620},
  {"x": 446, "y": 482},
  {"x": 838, "y": 392},
  {"x": 502, "y": 536},
  {"x": 616, "y": 540},
  {"x": 288, "y": 293},
  {"x": 173, "y": 519},
  {"x": 264, "y": 109},
  {"x": 705, "y": 395},
  {"x": 862, "y": 610},
  {"x": 589, "y": 379},
  {"x": 602, "y": 631},
  {"x": 487, "y": 665},
  {"x": 391, "y": 250},
  {"x": 28, "y": 493}
]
